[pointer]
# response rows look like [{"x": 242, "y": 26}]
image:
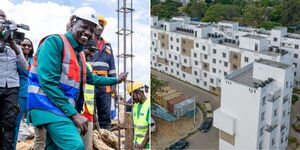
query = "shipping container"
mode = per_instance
[
  {"x": 175, "y": 101},
  {"x": 180, "y": 109}
]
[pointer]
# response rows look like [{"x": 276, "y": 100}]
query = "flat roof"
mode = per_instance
[
  {"x": 273, "y": 63},
  {"x": 254, "y": 36},
  {"x": 245, "y": 78}
]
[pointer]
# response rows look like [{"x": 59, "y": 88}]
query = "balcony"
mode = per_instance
[{"x": 271, "y": 128}]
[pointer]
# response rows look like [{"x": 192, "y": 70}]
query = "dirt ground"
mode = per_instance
[
  {"x": 167, "y": 132},
  {"x": 294, "y": 113}
]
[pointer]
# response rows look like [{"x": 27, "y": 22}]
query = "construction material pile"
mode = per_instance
[{"x": 104, "y": 139}]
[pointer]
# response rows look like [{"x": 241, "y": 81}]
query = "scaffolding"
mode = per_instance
[{"x": 124, "y": 33}]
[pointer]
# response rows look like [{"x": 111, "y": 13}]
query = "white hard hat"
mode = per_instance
[{"x": 87, "y": 13}]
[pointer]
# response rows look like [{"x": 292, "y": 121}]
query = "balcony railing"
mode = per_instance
[{"x": 270, "y": 128}]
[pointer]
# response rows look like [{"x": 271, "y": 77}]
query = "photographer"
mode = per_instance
[{"x": 10, "y": 57}]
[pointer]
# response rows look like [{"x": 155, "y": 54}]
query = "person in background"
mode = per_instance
[
  {"x": 11, "y": 56},
  {"x": 27, "y": 49},
  {"x": 103, "y": 64},
  {"x": 89, "y": 98}
]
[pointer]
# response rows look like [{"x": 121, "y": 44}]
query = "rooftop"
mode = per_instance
[
  {"x": 245, "y": 78},
  {"x": 273, "y": 63},
  {"x": 257, "y": 37}
]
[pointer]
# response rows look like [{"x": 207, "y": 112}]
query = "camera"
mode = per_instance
[{"x": 10, "y": 32}]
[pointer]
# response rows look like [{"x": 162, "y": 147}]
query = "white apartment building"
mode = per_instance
[
  {"x": 257, "y": 116},
  {"x": 202, "y": 54}
]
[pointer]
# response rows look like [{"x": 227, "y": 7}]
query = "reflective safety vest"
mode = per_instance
[
  {"x": 69, "y": 80},
  {"x": 141, "y": 124},
  {"x": 103, "y": 63},
  {"x": 89, "y": 96}
]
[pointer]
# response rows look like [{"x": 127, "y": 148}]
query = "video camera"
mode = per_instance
[{"x": 10, "y": 31}]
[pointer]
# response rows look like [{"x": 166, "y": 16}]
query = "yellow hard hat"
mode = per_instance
[
  {"x": 101, "y": 18},
  {"x": 132, "y": 86}
]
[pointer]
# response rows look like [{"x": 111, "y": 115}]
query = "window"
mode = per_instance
[
  {"x": 205, "y": 74},
  {"x": 171, "y": 38},
  {"x": 166, "y": 68},
  {"x": 195, "y": 73},
  {"x": 171, "y": 46},
  {"x": 154, "y": 34},
  {"x": 296, "y": 46},
  {"x": 211, "y": 80},
  {"x": 295, "y": 64},
  {"x": 236, "y": 37},
  {"x": 155, "y": 50},
  {"x": 184, "y": 60},
  {"x": 203, "y": 47},
  {"x": 162, "y": 44},
  {"x": 183, "y": 75},
  {"x": 177, "y": 65},
  {"x": 287, "y": 84},
  {"x": 162, "y": 36},
  {"x": 256, "y": 47},
  {"x": 214, "y": 51},
  {"x": 205, "y": 66},
  {"x": 177, "y": 73},
  {"x": 196, "y": 62},
  {"x": 177, "y": 40},
  {"x": 234, "y": 66},
  {"x": 171, "y": 70},
  {"x": 295, "y": 55},
  {"x": 161, "y": 52},
  {"x": 264, "y": 100},
  {"x": 283, "y": 113},
  {"x": 195, "y": 55},
  {"x": 295, "y": 73},
  {"x": 235, "y": 56},
  {"x": 261, "y": 131},
  {"x": 197, "y": 45},
  {"x": 214, "y": 60},
  {"x": 172, "y": 63},
  {"x": 197, "y": 80},
  {"x": 152, "y": 42},
  {"x": 205, "y": 83},
  {"x": 246, "y": 59},
  {"x": 177, "y": 48},
  {"x": 225, "y": 64},
  {"x": 273, "y": 141},
  {"x": 275, "y": 39},
  {"x": 224, "y": 55},
  {"x": 275, "y": 112},
  {"x": 205, "y": 56},
  {"x": 175, "y": 57},
  {"x": 169, "y": 55},
  {"x": 225, "y": 73},
  {"x": 214, "y": 70},
  {"x": 262, "y": 116}
]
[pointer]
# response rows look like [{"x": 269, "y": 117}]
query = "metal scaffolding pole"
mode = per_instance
[{"x": 124, "y": 32}]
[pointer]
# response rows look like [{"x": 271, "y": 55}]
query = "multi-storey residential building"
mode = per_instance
[
  {"x": 257, "y": 116},
  {"x": 202, "y": 54}
]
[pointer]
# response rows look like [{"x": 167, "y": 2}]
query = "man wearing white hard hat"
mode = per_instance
[{"x": 56, "y": 82}]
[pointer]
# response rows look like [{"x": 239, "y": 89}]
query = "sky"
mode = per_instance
[{"x": 46, "y": 17}]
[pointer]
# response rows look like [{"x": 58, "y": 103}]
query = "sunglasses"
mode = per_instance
[{"x": 28, "y": 45}]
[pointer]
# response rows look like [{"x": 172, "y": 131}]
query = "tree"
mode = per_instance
[
  {"x": 219, "y": 12},
  {"x": 157, "y": 86},
  {"x": 290, "y": 13},
  {"x": 156, "y": 10},
  {"x": 268, "y": 25},
  {"x": 196, "y": 9},
  {"x": 254, "y": 15}
]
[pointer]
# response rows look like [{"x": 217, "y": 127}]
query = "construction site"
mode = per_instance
[{"x": 123, "y": 123}]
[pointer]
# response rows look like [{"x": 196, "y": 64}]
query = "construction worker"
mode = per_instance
[
  {"x": 103, "y": 64},
  {"x": 56, "y": 82},
  {"x": 140, "y": 114},
  {"x": 88, "y": 106}
]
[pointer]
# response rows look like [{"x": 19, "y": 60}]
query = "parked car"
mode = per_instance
[
  {"x": 153, "y": 127},
  {"x": 206, "y": 125},
  {"x": 179, "y": 145},
  {"x": 209, "y": 114}
]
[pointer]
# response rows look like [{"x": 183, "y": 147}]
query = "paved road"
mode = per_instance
[{"x": 198, "y": 140}]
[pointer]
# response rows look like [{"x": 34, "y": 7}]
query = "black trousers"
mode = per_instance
[{"x": 9, "y": 111}]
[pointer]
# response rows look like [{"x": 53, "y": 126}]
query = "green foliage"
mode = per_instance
[
  {"x": 290, "y": 13},
  {"x": 254, "y": 15},
  {"x": 296, "y": 127},
  {"x": 166, "y": 9},
  {"x": 195, "y": 9},
  {"x": 268, "y": 25},
  {"x": 157, "y": 86},
  {"x": 295, "y": 98},
  {"x": 219, "y": 12}
]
